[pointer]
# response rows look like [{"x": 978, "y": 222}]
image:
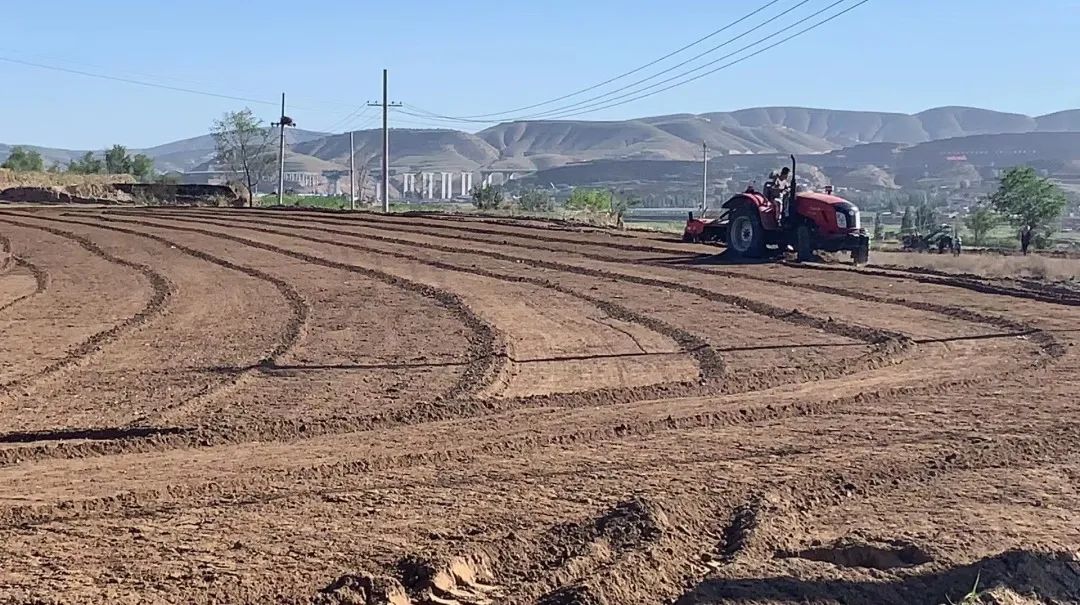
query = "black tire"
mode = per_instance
[
  {"x": 746, "y": 235},
  {"x": 687, "y": 238},
  {"x": 804, "y": 244},
  {"x": 861, "y": 255}
]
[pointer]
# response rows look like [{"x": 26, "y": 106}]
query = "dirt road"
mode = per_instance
[{"x": 209, "y": 406}]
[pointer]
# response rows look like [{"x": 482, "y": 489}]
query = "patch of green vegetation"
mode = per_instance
[{"x": 665, "y": 226}]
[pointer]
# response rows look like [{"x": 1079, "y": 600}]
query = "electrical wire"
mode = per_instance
[
  {"x": 620, "y": 76},
  {"x": 607, "y": 96},
  {"x": 726, "y": 65}
]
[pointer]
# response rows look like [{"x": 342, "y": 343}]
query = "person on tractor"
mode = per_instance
[{"x": 776, "y": 190}]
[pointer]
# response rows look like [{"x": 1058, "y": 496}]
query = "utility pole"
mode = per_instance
[
  {"x": 704, "y": 176},
  {"x": 386, "y": 105},
  {"x": 352, "y": 172},
  {"x": 283, "y": 122}
]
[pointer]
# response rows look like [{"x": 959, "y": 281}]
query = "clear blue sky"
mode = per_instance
[{"x": 479, "y": 56}]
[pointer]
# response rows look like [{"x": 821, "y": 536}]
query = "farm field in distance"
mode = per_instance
[{"x": 257, "y": 406}]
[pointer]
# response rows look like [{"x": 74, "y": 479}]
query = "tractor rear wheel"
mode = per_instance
[
  {"x": 804, "y": 245},
  {"x": 746, "y": 236}
]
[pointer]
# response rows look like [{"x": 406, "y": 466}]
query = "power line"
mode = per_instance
[
  {"x": 608, "y": 95},
  {"x": 195, "y": 85},
  {"x": 594, "y": 107},
  {"x": 618, "y": 77},
  {"x": 137, "y": 82}
]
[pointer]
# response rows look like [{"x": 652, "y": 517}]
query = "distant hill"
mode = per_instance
[{"x": 549, "y": 144}]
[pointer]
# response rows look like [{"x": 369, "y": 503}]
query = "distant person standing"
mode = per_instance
[
  {"x": 1025, "y": 239},
  {"x": 956, "y": 245}
]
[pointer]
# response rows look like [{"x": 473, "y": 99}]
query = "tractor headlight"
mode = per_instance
[{"x": 841, "y": 220}]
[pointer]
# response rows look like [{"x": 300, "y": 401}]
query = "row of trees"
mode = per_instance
[
  {"x": 593, "y": 201},
  {"x": 1023, "y": 199},
  {"x": 116, "y": 160}
]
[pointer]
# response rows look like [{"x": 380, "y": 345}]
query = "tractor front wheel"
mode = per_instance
[
  {"x": 804, "y": 245},
  {"x": 861, "y": 255}
]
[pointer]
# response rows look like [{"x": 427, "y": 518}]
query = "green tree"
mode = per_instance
[
  {"x": 142, "y": 167},
  {"x": 980, "y": 221},
  {"x": 87, "y": 164},
  {"x": 243, "y": 148},
  {"x": 590, "y": 200},
  {"x": 117, "y": 160},
  {"x": 907, "y": 223},
  {"x": 22, "y": 159},
  {"x": 487, "y": 197},
  {"x": 1026, "y": 199},
  {"x": 926, "y": 218},
  {"x": 537, "y": 200}
]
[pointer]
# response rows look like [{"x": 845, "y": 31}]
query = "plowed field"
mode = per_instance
[{"x": 210, "y": 406}]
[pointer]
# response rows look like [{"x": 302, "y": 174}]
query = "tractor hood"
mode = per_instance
[{"x": 832, "y": 200}]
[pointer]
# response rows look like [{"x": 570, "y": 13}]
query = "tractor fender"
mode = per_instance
[{"x": 754, "y": 200}]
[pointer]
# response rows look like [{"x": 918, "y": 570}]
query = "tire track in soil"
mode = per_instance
[
  {"x": 486, "y": 346},
  {"x": 293, "y": 332},
  {"x": 133, "y": 503},
  {"x": 1045, "y": 340},
  {"x": 886, "y": 348},
  {"x": 41, "y": 282},
  {"x": 968, "y": 282},
  {"x": 177, "y": 438},
  {"x": 567, "y": 565},
  {"x": 848, "y": 330},
  {"x": 710, "y": 364},
  {"x": 161, "y": 289}
]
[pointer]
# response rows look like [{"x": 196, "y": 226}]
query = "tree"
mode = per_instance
[
  {"x": 980, "y": 221},
  {"x": 487, "y": 197},
  {"x": 24, "y": 160},
  {"x": 536, "y": 200},
  {"x": 142, "y": 167},
  {"x": 907, "y": 224},
  {"x": 879, "y": 228},
  {"x": 87, "y": 164},
  {"x": 926, "y": 218},
  {"x": 117, "y": 160},
  {"x": 590, "y": 200},
  {"x": 243, "y": 148},
  {"x": 1026, "y": 199}
]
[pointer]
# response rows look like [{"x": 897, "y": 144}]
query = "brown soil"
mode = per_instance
[{"x": 215, "y": 406}]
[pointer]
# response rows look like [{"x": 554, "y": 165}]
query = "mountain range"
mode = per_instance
[{"x": 533, "y": 145}]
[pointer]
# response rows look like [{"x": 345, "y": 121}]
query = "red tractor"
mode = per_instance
[{"x": 751, "y": 222}]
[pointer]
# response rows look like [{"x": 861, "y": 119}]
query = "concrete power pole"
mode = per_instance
[
  {"x": 704, "y": 176},
  {"x": 352, "y": 172},
  {"x": 386, "y": 105},
  {"x": 283, "y": 122}
]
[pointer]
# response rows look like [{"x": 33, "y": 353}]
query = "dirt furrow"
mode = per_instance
[
  {"x": 161, "y": 287},
  {"x": 41, "y": 282},
  {"x": 969, "y": 282},
  {"x": 849, "y": 330},
  {"x": 1045, "y": 340},
  {"x": 886, "y": 348},
  {"x": 485, "y": 344}
]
